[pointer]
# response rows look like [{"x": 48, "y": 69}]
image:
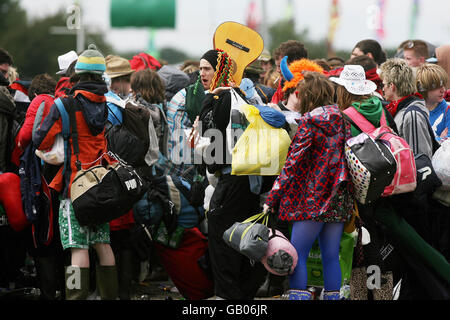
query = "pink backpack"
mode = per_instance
[{"x": 405, "y": 178}]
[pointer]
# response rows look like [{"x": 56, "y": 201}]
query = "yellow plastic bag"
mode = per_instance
[{"x": 261, "y": 149}]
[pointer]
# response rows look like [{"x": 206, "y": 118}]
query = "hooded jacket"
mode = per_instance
[
  {"x": 6, "y": 117},
  {"x": 25, "y": 133},
  {"x": 91, "y": 117},
  {"x": 315, "y": 166}
]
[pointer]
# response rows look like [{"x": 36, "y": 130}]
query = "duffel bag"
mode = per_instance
[
  {"x": 101, "y": 194},
  {"x": 249, "y": 237}
]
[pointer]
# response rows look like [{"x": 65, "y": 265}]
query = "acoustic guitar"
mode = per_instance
[{"x": 243, "y": 44}]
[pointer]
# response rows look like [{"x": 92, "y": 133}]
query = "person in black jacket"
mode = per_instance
[{"x": 233, "y": 199}]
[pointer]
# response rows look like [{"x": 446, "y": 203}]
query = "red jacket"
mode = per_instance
[
  {"x": 62, "y": 87},
  {"x": 25, "y": 133},
  {"x": 91, "y": 116},
  {"x": 315, "y": 167}
]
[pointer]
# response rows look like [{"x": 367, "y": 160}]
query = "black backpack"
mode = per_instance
[
  {"x": 129, "y": 140},
  {"x": 36, "y": 197}
]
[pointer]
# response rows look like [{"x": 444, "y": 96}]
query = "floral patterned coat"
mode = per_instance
[{"x": 315, "y": 170}]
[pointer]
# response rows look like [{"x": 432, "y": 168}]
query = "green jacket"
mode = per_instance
[{"x": 371, "y": 109}]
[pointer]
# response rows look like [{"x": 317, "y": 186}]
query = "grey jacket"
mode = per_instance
[{"x": 413, "y": 127}]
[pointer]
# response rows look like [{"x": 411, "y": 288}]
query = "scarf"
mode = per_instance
[{"x": 393, "y": 105}]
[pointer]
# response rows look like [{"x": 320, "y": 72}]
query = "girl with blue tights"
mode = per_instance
[
  {"x": 313, "y": 190},
  {"x": 304, "y": 233}
]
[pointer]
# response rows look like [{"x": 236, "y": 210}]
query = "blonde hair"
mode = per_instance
[
  {"x": 397, "y": 71},
  {"x": 429, "y": 77}
]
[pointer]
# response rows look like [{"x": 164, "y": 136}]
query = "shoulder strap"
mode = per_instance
[
  {"x": 64, "y": 118},
  {"x": 357, "y": 118},
  {"x": 413, "y": 107},
  {"x": 73, "y": 125},
  {"x": 65, "y": 131}
]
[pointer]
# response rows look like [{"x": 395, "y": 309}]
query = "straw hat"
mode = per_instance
[{"x": 117, "y": 66}]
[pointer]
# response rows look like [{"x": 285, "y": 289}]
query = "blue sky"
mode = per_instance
[{"x": 196, "y": 21}]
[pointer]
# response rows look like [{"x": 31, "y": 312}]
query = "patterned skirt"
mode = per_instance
[{"x": 340, "y": 207}]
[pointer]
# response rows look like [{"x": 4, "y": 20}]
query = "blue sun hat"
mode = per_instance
[{"x": 248, "y": 87}]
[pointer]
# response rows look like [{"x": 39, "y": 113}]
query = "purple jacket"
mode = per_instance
[{"x": 314, "y": 168}]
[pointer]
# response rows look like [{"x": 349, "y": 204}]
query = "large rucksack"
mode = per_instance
[
  {"x": 130, "y": 139},
  {"x": 392, "y": 146},
  {"x": 36, "y": 197}
]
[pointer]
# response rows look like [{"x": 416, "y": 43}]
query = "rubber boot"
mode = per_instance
[
  {"x": 77, "y": 283},
  {"x": 295, "y": 294},
  {"x": 274, "y": 285},
  {"x": 107, "y": 283},
  {"x": 331, "y": 295},
  {"x": 125, "y": 274},
  {"x": 47, "y": 282}
]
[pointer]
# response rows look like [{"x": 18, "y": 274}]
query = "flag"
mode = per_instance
[
  {"x": 380, "y": 25},
  {"x": 253, "y": 17},
  {"x": 414, "y": 17},
  {"x": 334, "y": 20}
]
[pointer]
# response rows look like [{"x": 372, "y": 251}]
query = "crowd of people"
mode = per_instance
[{"x": 166, "y": 110}]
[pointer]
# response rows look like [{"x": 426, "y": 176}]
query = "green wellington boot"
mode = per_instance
[
  {"x": 77, "y": 283},
  {"x": 107, "y": 282}
]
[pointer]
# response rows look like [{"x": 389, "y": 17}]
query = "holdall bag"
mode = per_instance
[
  {"x": 372, "y": 166},
  {"x": 101, "y": 194},
  {"x": 405, "y": 179},
  {"x": 249, "y": 237}
]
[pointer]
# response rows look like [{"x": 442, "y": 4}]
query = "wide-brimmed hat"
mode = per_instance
[
  {"x": 65, "y": 60},
  {"x": 353, "y": 78},
  {"x": 117, "y": 66},
  {"x": 265, "y": 56}
]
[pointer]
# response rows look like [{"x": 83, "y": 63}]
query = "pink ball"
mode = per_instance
[{"x": 281, "y": 257}]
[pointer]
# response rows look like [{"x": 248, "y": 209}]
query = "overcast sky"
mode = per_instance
[{"x": 196, "y": 21}]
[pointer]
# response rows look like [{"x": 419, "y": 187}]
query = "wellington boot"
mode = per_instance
[
  {"x": 77, "y": 283},
  {"x": 47, "y": 281},
  {"x": 107, "y": 283},
  {"x": 331, "y": 295},
  {"x": 295, "y": 294},
  {"x": 274, "y": 285}
]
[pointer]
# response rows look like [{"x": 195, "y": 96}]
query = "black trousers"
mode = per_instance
[{"x": 235, "y": 276}]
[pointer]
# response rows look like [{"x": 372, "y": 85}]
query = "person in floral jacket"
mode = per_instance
[{"x": 314, "y": 187}]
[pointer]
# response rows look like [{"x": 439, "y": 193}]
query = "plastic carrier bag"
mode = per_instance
[
  {"x": 261, "y": 149},
  {"x": 441, "y": 164},
  {"x": 314, "y": 261}
]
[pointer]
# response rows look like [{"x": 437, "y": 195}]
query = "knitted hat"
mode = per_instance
[
  {"x": 91, "y": 61},
  {"x": 211, "y": 56},
  {"x": 117, "y": 66}
]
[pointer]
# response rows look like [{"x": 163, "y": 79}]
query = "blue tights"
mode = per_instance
[{"x": 303, "y": 235}]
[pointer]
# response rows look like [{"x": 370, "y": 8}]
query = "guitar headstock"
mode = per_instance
[{"x": 243, "y": 44}]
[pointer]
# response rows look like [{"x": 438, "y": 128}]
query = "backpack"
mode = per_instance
[
  {"x": 124, "y": 143},
  {"x": 36, "y": 197},
  {"x": 389, "y": 146}
]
